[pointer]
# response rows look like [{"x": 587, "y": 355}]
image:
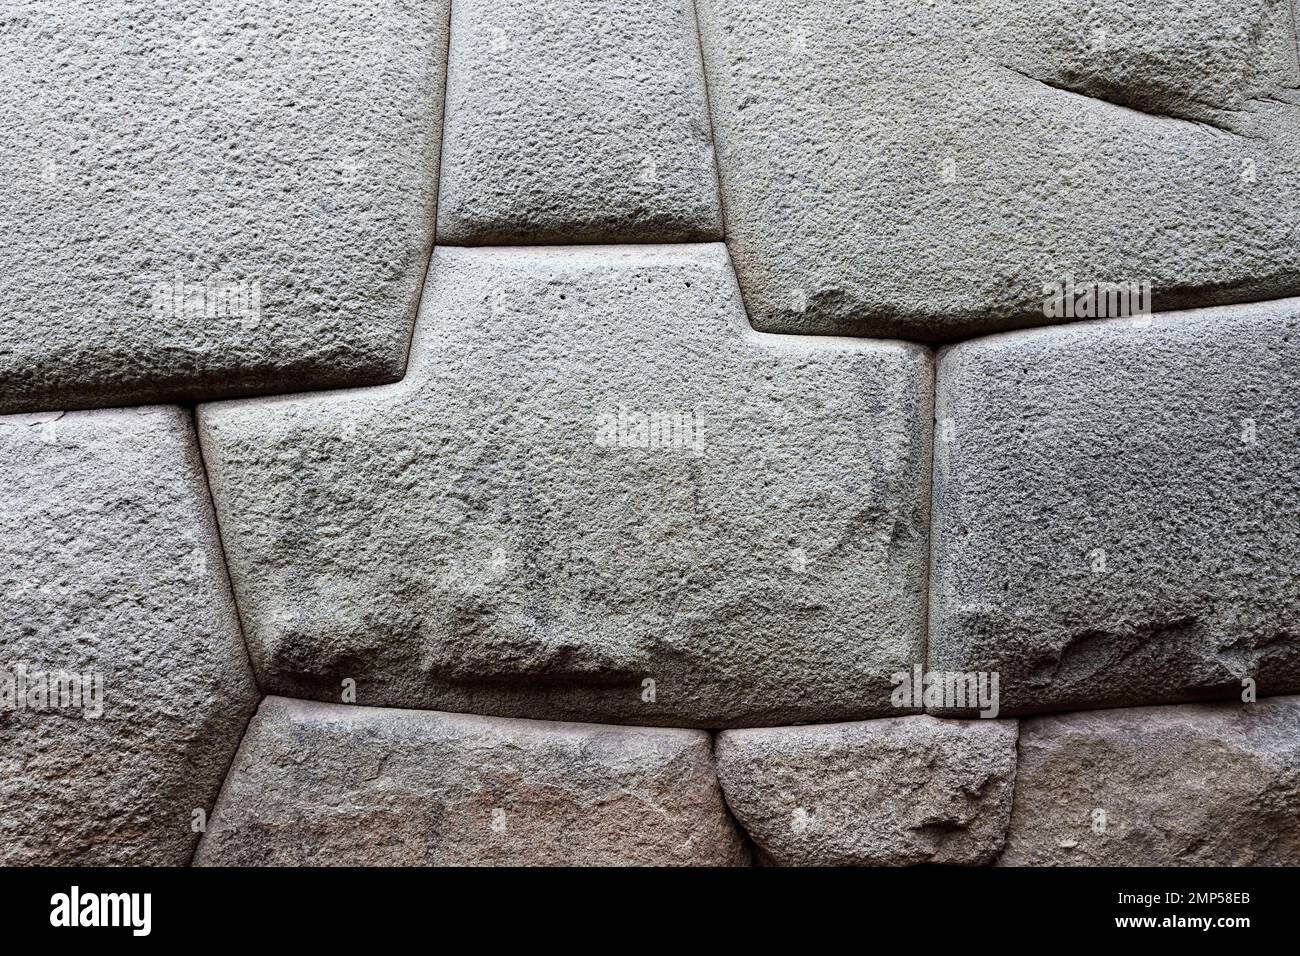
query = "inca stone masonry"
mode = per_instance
[{"x": 464, "y": 432}]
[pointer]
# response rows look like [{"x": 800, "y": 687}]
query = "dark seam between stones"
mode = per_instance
[
  {"x": 708, "y": 115},
  {"x": 221, "y": 544},
  {"x": 754, "y": 850},
  {"x": 225, "y": 777},
  {"x": 437, "y": 203}
]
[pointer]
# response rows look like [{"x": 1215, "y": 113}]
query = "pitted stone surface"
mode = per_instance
[
  {"x": 1191, "y": 785},
  {"x": 274, "y": 163},
  {"x": 892, "y": 792},
  {"x": 1115, "y": 511},
  {"x": 111, "y": 568},
  {"x": 922, "y": 170},
  {"x": 318, "y": 784},
  {"x": 583, "y": 487},
  {"x": 487, "y": 536},
  {"x": 577, "y": 121}
]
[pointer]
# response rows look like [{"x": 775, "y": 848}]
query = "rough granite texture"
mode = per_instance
[
  {"x": 890, "y": 792},
  {"x": 1115, "y": 510},
  {"x": 1194, "y": 785},
  {"x": 326, "y": 784},
  {"x": 150, "y": 148},
  {"x": 472, "y": 539},
  {"x": 921, "y": 170},
  {"x": 576, "y": 121},
  {"x": 110, "y": 566},
  {"x": 587, "y": 482}
]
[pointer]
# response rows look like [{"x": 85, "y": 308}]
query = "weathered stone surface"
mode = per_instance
[
  {"x": 1197, "y": 784},
  {"x": 110, "y": 568},
  {"x": 1116, "y": 519},
  {"x": 577, "y": 121},
  {"x": 486, "y": 536},
  {"x": 276, "y": 162},
  {"x": 922, "y": 170},
  {"x": 890, "y": 792},
  {"x": 330, "y": 784}
]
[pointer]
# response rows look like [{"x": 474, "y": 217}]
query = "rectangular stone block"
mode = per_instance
[
  {"x": 1116, "y": 518},
  {"x": 1191, "y": 785},
  {"x": 576, "y": 121},
  {"x": 324, "y": 784}
]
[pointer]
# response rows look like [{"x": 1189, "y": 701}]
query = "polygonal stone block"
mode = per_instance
[
  {"x": 209, "y": 200},
  {"x": 327, "y": 784},
  {"x": 124, "y": 684},
  {"x": 890, "y": 792},
  {"x": 597, "y": 495},
  {"x": 924, "y": 170}
]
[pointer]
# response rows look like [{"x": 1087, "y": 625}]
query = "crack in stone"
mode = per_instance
[{"x": 1060, "y": 87}]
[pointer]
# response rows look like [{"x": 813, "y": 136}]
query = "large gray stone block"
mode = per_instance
[
  {"x": 111, "y": 573},
  {"x": 598, "y": 495},
  {"x": 1116, "y": 519},
  {"x": 892, "y": 792},
  {"x": 327, "y": 784},
  {"x": 1190, "y": 785},
  {"x": 207, "y": 200},
  {"x": 576, "y": 121},
  {"x": 922, "y": 170}
]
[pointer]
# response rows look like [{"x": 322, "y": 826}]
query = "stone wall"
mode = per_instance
[{"x": 655, "y": 432}]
